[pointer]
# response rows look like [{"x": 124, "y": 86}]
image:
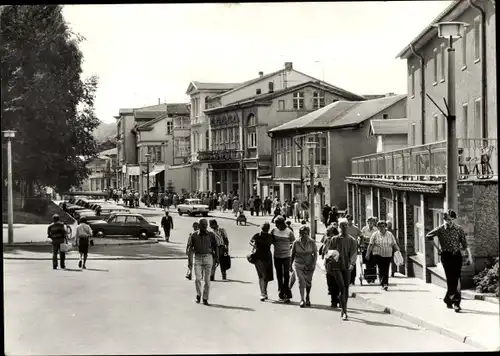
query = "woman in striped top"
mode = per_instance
[{"x": 382, "y": 245}]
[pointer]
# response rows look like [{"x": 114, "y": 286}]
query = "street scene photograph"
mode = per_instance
[{"x": 250, "y": 178}]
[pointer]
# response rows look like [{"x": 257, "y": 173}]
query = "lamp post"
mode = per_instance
[
  {"x": 165, "y": 145},
  {"x": 451, "y": 30},
  {"x": 147, "y": 155},
  {"x": 9, "y": 135},
  {"x": 311, "y": 145}
]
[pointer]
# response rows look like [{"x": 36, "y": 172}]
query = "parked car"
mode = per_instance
[
  {"x": 84, "y": 212},
  {"x": 192, "y": 207},
  {"x": 125, "y": 224}
]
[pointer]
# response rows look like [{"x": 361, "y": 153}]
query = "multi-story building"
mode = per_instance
[
  {"x": 342, "y": 130},
  {"x": 155, "y": 130},
  {"x": 240, "y": 154},
  {"x": 407, "y": 186},
  {"x": 103, "y": 172},
  {"x": 200, "y": 133}
]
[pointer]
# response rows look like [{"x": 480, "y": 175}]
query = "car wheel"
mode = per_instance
[
  {"x": 204, "y": 214},
  {"x": 180, "y": 212},
  {"x": 143, "y": 235},
  {"x": 99, "y": 233},
  {"x": 189, "y": 213}
]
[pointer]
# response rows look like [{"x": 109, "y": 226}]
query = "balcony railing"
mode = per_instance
[
  {"x": 477, "y": 159},
  {"x": 219, "y": 155}
]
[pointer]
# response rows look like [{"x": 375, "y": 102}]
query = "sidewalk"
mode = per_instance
[{"x": 421, "y": 303}]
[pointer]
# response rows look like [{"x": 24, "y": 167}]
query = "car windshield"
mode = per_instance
[{"x": 194, "y": 201}]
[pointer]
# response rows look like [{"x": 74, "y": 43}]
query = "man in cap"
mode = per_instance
[
  {"x": 57, "y": 233},
  {"x": 452, "y": 240}
]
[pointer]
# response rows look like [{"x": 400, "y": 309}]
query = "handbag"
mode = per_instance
[
  {"x": 66, "y": 247},
  {"x": 398, "y": 258},
  {"x": 252, "y": 257},
  {"x": 225, "y": 261}
]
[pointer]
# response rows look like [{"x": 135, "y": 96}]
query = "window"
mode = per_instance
[
  {"x": 231, "y": 135},
  {"x": 252, "y": 139},
  {"x": 155, "y": 152},
  {"x": 207, "y": 140},
  {"x": 388, "y": 211},
  {"x": 271, "y": 87},
  {"x": 281, "y": 105},
  {"x": 435, "y": 66},
  {"x": 252, "y": 121},
  {"x": 412, "y": 81},
  {"x": 368, "y": 204},
  {"x": 169, "y": 127},
  {"x": 385, "y": 116},
  {"x": 418, "y": 229},
  {"x": 120, "y": 219},
  {"x": 278, "y": 151},
  {"x": 236, "y": 134},
  {"x": 444, "y": 136},
  {"x": 413, "y": 134},
  {"x": 437, "y": 220},
  {"x": 132, "y": 220},
  {"x": 206, "y": 102},
  {"x": 321, "y": 150},
  {"x": 298, "y": 152},
  {"x": 464, "y": 49},
  {"x": 478, "y": 119},
  {"x": 181, "y": 146},
  {"x": 465, "y": 122},
  {"x": 298, "y": 100},
  {"x": 214, "y": 139},
  {"x": 318, "y": 100},
  {"x": 443, "y": 62},
  {"x": 288, "y": 151},
  {"x": 436, "y": 128},
  {"x": 477, "y": 39}
]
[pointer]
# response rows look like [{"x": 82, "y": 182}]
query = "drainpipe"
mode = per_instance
[
  {"x": 483, "y": 65},
  {"x": 422, "y": 92}
]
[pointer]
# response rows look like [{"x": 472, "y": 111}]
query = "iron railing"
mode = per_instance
[
  {"x": 477, "y": 159},
  {"x": 219, "y": 155}
]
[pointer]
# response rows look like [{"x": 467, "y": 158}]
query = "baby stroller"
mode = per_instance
[
  {"x": 241, "y": 219},
  {"x": 368, "y": 270}
]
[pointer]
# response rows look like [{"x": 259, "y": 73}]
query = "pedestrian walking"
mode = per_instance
[
  {"x": 382, "y": 245},
  {"x": 331, "y": 283},
  {"x": 189, "y": 251},
  {"x": 167, "y": 223},
  {"x": 325, "y": 213},
  {"x": 305, "y": 255},
  {"x": 370, "y": 272},
  {"x": 83, "y": 235},
  {"x": 58, "y": 234},
  {"x": 277, "y": 213},
  {"x": 258, "y": 205},
  {"x": 222, "y": 248},
  {"x": 296, "y": 211},
  {"x": 283, "y": 238},
  {"x": 261, "y": 242},
  {"x": 251, "y": 205},
  {"x": 204, "y": 246},
  {"x": 355, "y": 232},
  {"x": 452, "y": 240},
  {"x": 340, "y": 260}
]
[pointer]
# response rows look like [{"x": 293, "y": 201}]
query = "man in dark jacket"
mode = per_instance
[
  {"x": 167, "y": 223},
  {"x": 326, "y": 213},
  {"x": 57, "y": 233}
]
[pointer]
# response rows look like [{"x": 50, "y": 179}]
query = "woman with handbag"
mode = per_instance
[
  {"x": 262, "y": 258},
  {"x": 305, "y": 255},
  {"x": 383, "y": 245}
]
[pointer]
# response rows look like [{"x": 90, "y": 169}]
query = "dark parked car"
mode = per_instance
[{"x": 125, "y": 224}]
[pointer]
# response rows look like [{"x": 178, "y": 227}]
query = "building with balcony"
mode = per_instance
[
  {"x": 153, "y": 129},
  {"x": 241, "y": 152},
  {"x": 342, "y": 129},
  {"x": 103, "y": 172},
  {"x": 408, "y": 185},
  {"x": 200, "y": 134}
]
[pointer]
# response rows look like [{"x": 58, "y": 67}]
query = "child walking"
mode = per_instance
[{"x": 83, "y": 235}]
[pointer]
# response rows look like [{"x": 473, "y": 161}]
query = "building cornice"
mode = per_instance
[{"x": 420, "y": 187}]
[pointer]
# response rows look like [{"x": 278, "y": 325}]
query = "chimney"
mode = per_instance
[
  {"x": 261, "y": 74},
  {"x": 288, "y": 65}
]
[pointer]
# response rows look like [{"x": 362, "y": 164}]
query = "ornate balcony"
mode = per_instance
[
  {"x": 477, "y": 158},
  {"x": 219, "y": 155}
]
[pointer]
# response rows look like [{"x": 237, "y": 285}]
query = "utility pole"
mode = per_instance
[
  {"x": 312, "y": 146},
  {"x": 9, "y": 135},
  {"x": 146, "y": 199},
  {"x": 165, "y": 180}
]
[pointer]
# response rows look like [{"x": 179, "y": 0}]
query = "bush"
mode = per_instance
[
  {"x": 36, "y": 205},
  {"x": 487, "y": 281}
]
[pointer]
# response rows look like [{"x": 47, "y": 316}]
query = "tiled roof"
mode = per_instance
[
  {"x": 389, "y": 127},
  {"x": 150, "y": 123},
  {"x": 341, "y": 114},
  {"x": 251, "y": 81},
  {"x": 147, "y": 114},
  {"x": 171, "y": 108},
  {"x": 215, "y": 86}
]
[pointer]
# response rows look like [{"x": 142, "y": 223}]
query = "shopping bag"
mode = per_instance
[
  {"x": 398, "y": 258},
  {"x": 293, "y": 278},
  {"x": 225, "y": 261},
  {"x": 66, "y": 247}
]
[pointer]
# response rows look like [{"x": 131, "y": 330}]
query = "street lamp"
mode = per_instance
[
  {"x": 147, "y": 155},
  {"x": 451, "y": 30},
  {"x": 9, "y": 135},
  {"x": 165, "y": 145},
  {"x": 311, "y": 145}
]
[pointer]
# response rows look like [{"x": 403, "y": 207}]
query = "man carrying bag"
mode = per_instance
[{"x": 57, "y": 233}]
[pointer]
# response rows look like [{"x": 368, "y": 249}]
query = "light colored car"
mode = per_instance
[{"x": 192, "y": 207}]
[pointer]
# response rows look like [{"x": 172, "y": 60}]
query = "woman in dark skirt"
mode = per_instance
[
  {"x": 83, "y": 236},
  {"x": 263, "y": 258}
]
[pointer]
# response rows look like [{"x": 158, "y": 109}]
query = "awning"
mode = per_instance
[{"x": 156, "y": 171}]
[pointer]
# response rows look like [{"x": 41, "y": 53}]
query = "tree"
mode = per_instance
[{"x": 44, "y": 97}]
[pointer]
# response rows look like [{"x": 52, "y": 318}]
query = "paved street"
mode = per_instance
[{"x": 147, "y": 307}]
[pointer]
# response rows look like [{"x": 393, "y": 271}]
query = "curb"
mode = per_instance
[
  {"x": 417, "y": 321},
  {"x": 479, "y": 296},
  {"x": 117, "y": 258},
  {"x": 39, "y": 244}
]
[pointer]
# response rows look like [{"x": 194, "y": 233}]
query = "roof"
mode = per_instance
[
  {"x": 341, "y": 114},
  {"x": 455, "y": 9},
  {"x": 389, "y": 127},
  {"x": 171, "y": 108},
  {"x": 150, "y": 123},
  {"x": 210, "y": 86},
  {"x": 109, "y": 152},
  {"x": 265, "y": 97},
  {"x": 148, "y": 114},
  {"x": 251, "y": 81}
]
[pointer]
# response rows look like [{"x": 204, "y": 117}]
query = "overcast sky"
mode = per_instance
[{"x": 145, "y": 52}]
